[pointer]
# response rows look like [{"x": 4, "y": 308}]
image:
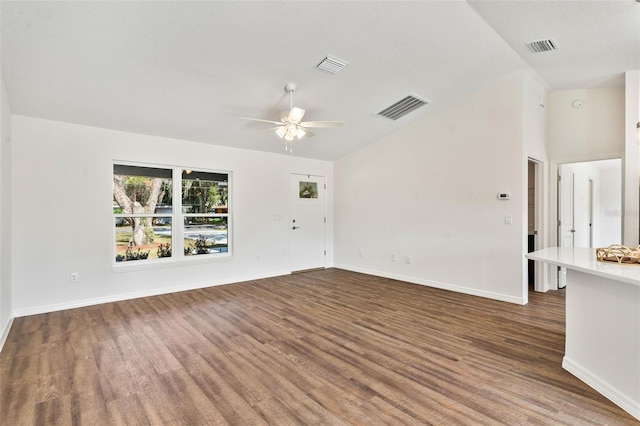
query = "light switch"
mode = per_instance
[{"x": 508, "y": 219}]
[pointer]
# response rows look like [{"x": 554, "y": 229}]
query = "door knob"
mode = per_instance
[{"x": 295, "y": 227}]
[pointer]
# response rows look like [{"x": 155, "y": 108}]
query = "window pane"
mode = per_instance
[
  {"x": 205, "y": 235},
  {"x": 204, "y": 192},
  {"x": 153, "y": 235},
  {"x": 141, "y": 189}
]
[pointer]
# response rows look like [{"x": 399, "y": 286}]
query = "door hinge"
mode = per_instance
[
  {"x": 325, "y": 186},
  {"x": 559, "y": 178},
  {"x": 559, "y": 223},
  {"x": 325, "y": 220},
  {"x": 325, "y": 252}
]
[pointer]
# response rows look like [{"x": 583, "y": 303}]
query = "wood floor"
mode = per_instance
[{"x": 323, "y": 347}]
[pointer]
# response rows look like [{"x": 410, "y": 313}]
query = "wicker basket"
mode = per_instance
[{"x": 618, "y": 253}]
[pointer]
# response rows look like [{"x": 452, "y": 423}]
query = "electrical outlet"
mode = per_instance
[
  {"x": 408, "y": 260},
  {"x": 394, "y": 257},
  {"x": 73, "y": 278}
]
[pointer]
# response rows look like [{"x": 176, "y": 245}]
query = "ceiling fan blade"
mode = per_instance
[
  {"x": 270, "y": 129},
  {"x": 322, "y": 124},
  {"x": 295, "y": 115},
  {"x": 261, "y": 120},
  {"x": 308, "y": 134}
]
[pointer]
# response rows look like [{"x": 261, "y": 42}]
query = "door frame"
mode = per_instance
[
  {"x": 291, "y": 175},
  {"x": 540, "y": 281}
]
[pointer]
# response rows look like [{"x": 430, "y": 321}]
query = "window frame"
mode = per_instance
[{"x": 178, "y": 219}]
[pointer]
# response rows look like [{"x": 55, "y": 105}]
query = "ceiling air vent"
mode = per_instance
[
  {"x": 331, "y": 64},
  {"x": 402, "y": 107},
  {"x": 542, "y": 46}
]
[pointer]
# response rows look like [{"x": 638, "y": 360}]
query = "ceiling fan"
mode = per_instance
[{"x": 291, "y": 127}]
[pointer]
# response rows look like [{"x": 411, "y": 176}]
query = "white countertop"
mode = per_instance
[{"x": 584, "y": 260}]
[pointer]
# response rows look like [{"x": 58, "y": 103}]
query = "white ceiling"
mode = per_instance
[{"x": 189, "y": 70}]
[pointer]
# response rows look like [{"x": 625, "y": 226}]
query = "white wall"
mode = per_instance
[
  {"x": 593, "y": 132},
  {"x": 429, "y": 191},
  {"x": 6, "y": 306},
  {"x": 62, "y": 215}
]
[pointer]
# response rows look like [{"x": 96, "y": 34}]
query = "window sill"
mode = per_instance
[{"x": 145, "y": 265}]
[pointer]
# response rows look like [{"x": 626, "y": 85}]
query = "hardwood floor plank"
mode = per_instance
[
  {"x": 157, "y": 403},
  {"x": 193, "y": 408},
  {"x": 285, "y": 381},
  {"x": 276, "y": 413},
  {"x": 88, "y": 405},
  {"x": 53, "y": 411},
  {"x": 228, "y": 401},
  {"x": 18, "y": 405},
  {"x": 327, "y": 347},
  {"x": 126, "y": 411},
  {"x": 53, "y": 375}
]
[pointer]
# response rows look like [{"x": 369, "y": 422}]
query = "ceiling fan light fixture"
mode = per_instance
[{"x": 291, "y": 131}]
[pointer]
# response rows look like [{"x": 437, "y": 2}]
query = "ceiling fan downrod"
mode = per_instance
[{"x": 289, "y": 88}]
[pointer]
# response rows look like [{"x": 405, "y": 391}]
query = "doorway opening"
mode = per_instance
[
  {"x": 531, "y": 220},
  {"x": 535, "y": 214},
  {"x": 589, "y": 205}
]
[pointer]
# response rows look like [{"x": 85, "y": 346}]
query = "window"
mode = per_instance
[{"x": 165, "y": 213}]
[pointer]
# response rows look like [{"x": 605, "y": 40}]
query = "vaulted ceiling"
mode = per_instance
[{"x": 190, "y": 70}]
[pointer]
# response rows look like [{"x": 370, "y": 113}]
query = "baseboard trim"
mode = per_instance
[
  {"x": 443, "y": 286},
  {"x": 620, "y": 399},
  {"x": 5, "y": 333},
  {"x": 43, "y": 309}
]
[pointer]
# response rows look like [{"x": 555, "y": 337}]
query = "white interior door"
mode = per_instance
[
  {"x": 566, "y": 205},
  {"x": 307, "y": 227},
  {"x": 591, "y": 208},
  {"x": 566, "y": 213}
]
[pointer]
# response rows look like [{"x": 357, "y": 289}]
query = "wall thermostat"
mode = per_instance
[{"x": 503, "y": 195}]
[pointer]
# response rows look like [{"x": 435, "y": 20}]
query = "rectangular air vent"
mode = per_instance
[
  {"x": 402, "y": 107},
  {"x": 331, "y": 64},
  {"x": 542, "y": 46}
]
